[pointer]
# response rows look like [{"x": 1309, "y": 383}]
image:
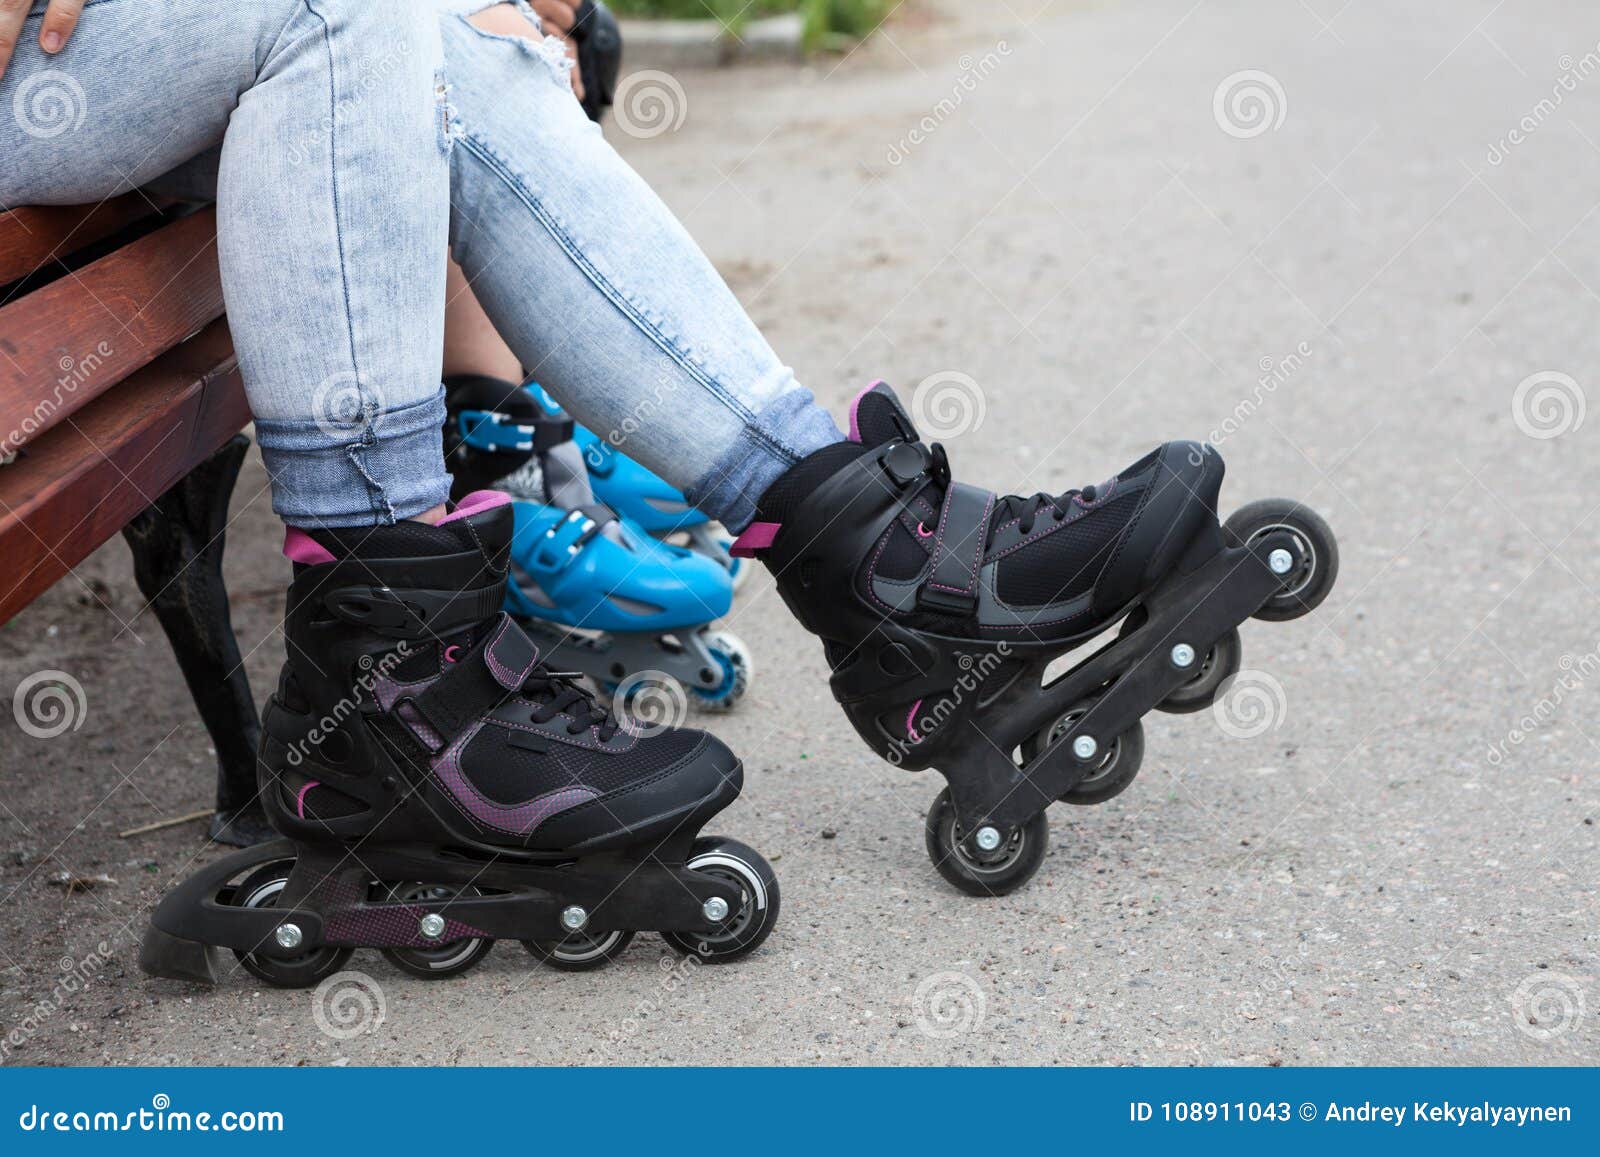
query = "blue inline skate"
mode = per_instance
[
  {"x": 603, "y": 597},
  {"x": 645, "y": 499}
]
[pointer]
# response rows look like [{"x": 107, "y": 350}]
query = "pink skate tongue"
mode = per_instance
[
  {"x": 757, "y": 536},
  {"x": 876, "y": 417},
  {"x": 298, "y": 546},
  {"x": 476, "y": 503}
]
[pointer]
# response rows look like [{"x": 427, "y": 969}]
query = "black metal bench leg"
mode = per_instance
[{"x": 177, "y": 560}]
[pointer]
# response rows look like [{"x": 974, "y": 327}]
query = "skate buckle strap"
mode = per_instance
[
  {"x": 563, "y": 542},
  {"x": 410, "y": 614},
  {"x": 958, "y": 550},
  {"x": 469, "y": 689},
  {"x": 905, "y": 462},
  {"x": 496, "y": 432}
]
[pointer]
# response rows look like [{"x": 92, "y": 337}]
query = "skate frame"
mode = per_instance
[
  {"x": 525, "y": 900},
  {"x": 1125, "y": 680}
]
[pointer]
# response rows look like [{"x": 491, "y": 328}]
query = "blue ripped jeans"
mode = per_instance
[{"x": 347, "y": 143}]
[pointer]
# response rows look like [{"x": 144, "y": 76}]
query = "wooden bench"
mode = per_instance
[{"x": 121, "y": 409}]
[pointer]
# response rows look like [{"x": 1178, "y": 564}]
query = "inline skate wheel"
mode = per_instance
[
  {"x": 260, "y": 889},
  {"x": 751, "y": 922},
  {"x": 1307, "y": 584},
  {"x": 1116, "y": 768},
  {"x": 581, "y": 951},
  {"x": 979, "y": 873},
  {"x": 734, "y": 662},
  {"x": 435, "y": 963},
  {"x": 1220, "y": 664}
]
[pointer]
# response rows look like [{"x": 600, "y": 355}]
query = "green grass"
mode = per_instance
[{"x": 828, "y": 22}]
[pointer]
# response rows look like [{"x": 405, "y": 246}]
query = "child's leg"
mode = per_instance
[{"x": 600, "y": 291}]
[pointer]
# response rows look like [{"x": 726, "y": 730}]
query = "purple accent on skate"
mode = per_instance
[
  {"x": 911, "y": 730},
  {"x": 855, "y": 402},
  {"x": 476, "y": 503},
  {"x": 393, "y": 927},
  {"x": 408, "y": 714},
  {"x": 449, "y": 652},
  {"x": 386, "y": 690},
  {"x": 756, "y": 536},
  {"x": 342, "y": 896},
  {"x": 518, "y": 819},
  {"x": 298, "y": 546},
  {"x": 300, "y": 798}
]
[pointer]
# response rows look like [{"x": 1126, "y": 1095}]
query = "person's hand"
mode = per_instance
[
  {"x": 59, "y": 21},
  {"x": 558, "y": 17}
]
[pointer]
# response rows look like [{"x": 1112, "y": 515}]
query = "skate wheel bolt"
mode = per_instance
[
  {"x": 574, "y": 918},
  {"x": 1182, "y": 655},
  {"x": 1084, "y": 747},
  {"x": 1279, "y": 561},
  {"x": 432, "y": 926},
  {"x": 288, "y": 936},
  {"x": 987, "y": 838},
  {"x": 716, "y": 909}
]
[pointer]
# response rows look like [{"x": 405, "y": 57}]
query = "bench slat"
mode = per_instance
[
  {"x": 63, "y": 345},
  {"x": 81, "y": 483},
  {"x": 32, "y": 236}
]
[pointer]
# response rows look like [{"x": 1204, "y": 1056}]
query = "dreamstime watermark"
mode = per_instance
[
  {"x": 925, "y": 716},
  {"x": 1249, "y": 103},
  {"x": 649, "y": 103},
  {"x": 372, "y": 671},
  {"x": 1548, "y": 404},
  {"x": 343, "y": 405},
  {"x": 160, "y": 1117},
  {"x": 308, "y": 146},
  {"x": 1274, "y": 373},
  {"x": 49, "y": 703},
  {"x": 74, "y": 373},
  {"x": 974, "y": 71},
  {"x": 948, "y": 1004},
  {"x": 1572, "y": 73},
  {"x": 1275, "y": 980},
  {"x": 649, "y": 404},
  {"x": 648, "y": 703},
  {"x": 1250, "y": 704},
  {"x": 1547, "y": 1005},
  {"x": 1575, "y": 671},
  {"x": 348, "y": 1004},
  {"x": 948, "y": 404},
  {"x": 75, "y": 976},
  {"x": 48, "y": 104},
  {"x": 676, "y": 973}
]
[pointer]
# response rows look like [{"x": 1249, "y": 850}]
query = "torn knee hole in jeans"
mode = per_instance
[{"x": 514, "y": 22}]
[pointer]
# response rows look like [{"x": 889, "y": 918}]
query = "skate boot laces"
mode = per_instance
[
  {"x": 1025, "y": 510},
  {"x": 556, "y": 693}
]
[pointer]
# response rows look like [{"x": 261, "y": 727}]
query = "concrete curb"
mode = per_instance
[{"x": 670, "y": 45}]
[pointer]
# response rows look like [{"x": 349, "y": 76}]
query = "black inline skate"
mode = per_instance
[
  {"x": 440, "y": 788},
  {"x": 940, "y": 606}
]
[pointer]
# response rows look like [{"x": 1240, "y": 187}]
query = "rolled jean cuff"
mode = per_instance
[
  {"x": 730, "y": 490},
  {"x": 383, "y": 466}
]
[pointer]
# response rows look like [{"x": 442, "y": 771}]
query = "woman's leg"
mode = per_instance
[
  {"x": 471, "y": 343},
  {"x": 599, "y": 290},
  {"x": 332, "y": 191}
]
